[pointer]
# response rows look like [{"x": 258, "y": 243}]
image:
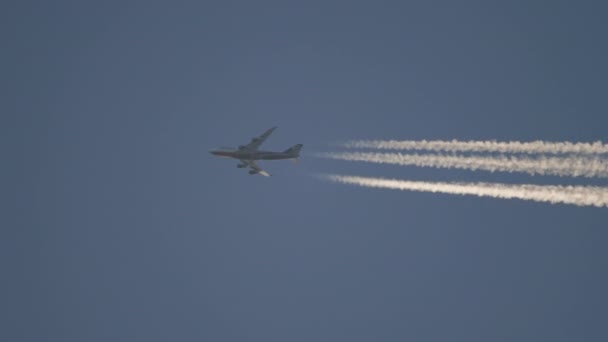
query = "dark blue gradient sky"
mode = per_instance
[{"x": 118, "y": 225}]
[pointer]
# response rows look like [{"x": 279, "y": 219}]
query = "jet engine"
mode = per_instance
[
  {"x": 252, "y": 172},
  {"x": 240, "y": 166}
]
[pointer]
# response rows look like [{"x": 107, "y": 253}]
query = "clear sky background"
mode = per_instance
[{"x": 118, "y": 225}]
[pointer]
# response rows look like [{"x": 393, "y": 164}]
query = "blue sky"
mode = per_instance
[{"x": 121, "y": 226}]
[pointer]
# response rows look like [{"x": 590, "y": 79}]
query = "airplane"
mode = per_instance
[{"x": 248, "y": 154}]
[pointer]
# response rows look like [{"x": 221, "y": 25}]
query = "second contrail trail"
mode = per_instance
[
  {"x": 576, "y": 195},
  {"x": 573, "y": 166},
  {"x": 533, "y": 147}
]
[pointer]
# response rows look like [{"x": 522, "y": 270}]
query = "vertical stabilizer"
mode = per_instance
[{"x": 294, "y": 150}]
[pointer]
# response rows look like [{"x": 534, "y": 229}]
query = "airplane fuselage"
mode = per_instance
[{"x": 254, "y": 155}]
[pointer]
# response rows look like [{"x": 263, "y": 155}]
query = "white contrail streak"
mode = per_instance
[
  {"x": 577, "y": 195},
  {"x": 533, "y": 147},
  {"x": 560, "y": 166}
]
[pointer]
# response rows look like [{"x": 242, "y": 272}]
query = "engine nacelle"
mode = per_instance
[
  {"x": 252, "y": 172},
  {"x": 241, "y": 147},
  {"x": 240, "y": 166}
]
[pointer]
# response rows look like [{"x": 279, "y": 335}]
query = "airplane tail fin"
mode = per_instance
[{"x": 294, "y": 150}]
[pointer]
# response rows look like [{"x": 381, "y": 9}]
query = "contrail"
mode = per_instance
[
  {"x": 577, "y": 195},
  {"x": 533, "y": 147},
  {"x": 559, "y": 166}
]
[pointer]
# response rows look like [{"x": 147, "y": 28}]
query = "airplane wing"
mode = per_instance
[
  {"x": 255, "y": 168},
  {"x": 257, "y": 141}
]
